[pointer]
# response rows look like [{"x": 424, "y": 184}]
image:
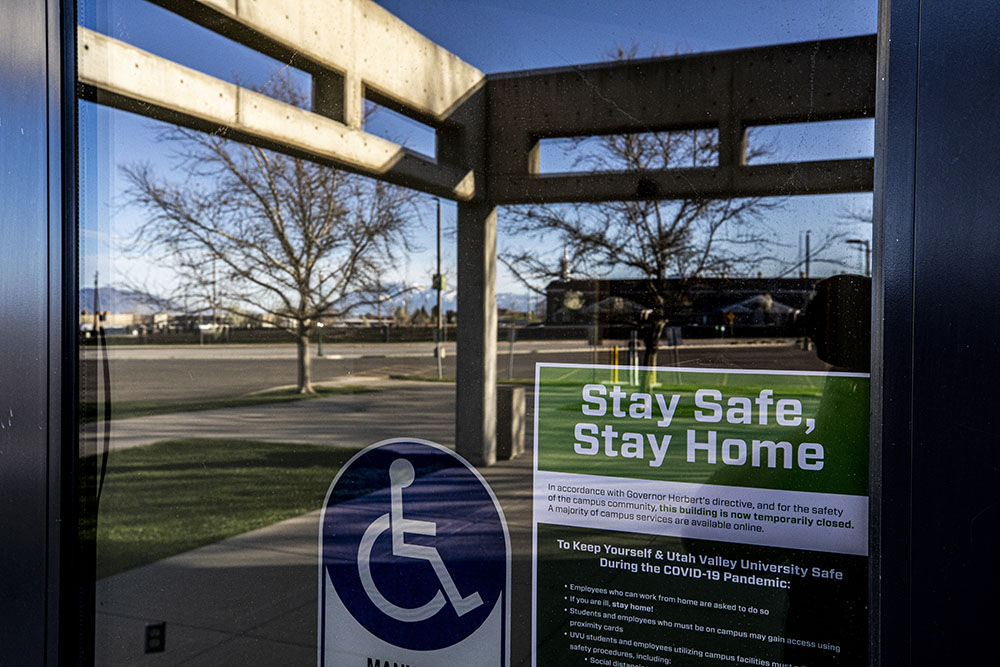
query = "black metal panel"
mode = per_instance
[
  {"x": 955, "y": 458},
  {"x": 25, "y": 210},
  {"x": 892, "y": 332},
  {"x": 71, "y": 605}
]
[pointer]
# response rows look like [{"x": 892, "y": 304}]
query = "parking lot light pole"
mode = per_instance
[{"x": 868, "y": 253}]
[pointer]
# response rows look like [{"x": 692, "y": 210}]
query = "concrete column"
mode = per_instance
[
  {"x": 732, "y": 143},
  {"x": 511, "y": 417},
  {"x": 535, "y": 157},
  {"x": 354, "y": 101},
  {"x": 475, "y": 419},
  {"x": 339, "y": 97},
  {"x": 328, "y": 94}
]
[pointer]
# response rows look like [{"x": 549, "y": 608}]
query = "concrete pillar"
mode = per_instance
[
  {"x": 535, "y": 157},
  {"x": 328, "y": 93},
  {"x": 354, "y": 101},
  {"x": 732, "y": 143},
  {"x": 511, "y": 418},
  {"x": 339, "y": 97},
  {"x": 475, "y": 419}
]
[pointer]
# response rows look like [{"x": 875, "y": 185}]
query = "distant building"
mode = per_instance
[
  {"x": 127, "y": 322},
  {"x": 691, "y": 303}
]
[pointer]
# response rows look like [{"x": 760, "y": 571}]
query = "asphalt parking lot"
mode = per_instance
[{"x": 219, "y": 371}]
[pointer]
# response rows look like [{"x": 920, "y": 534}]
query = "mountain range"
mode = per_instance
[{"x": 411, "y": 297}]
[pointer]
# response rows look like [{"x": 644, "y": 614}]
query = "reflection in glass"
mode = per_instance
[{"x": 251, "y": 317}]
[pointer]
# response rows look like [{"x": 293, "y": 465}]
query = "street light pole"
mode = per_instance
[
  {"x": 96, "y": 305},
  {"x": 215, "y": 297},
  {"x": 808, "y": 252},
  {"x": 867, "y": 246}
]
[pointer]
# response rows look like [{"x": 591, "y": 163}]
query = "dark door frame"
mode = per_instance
[
  {"x": 38, "y": 583},
  {"x": 935, "y": 517},
  {"x": 935, "y": 463}
]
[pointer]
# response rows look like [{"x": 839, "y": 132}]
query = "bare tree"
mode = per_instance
[
  {"x": 256, "y": 231},
  {"x": 665, "y": 244}
]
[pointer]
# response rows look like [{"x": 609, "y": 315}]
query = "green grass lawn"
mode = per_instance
[
  {"x": 177, "y": 495},
  {"x": 90, "y": 412}
]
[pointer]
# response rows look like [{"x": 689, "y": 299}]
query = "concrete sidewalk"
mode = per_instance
[{"x": 251, "y": 600}]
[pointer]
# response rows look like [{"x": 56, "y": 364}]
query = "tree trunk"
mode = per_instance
[
  {"x": 651, "y": 339},
  {"x": 305, "y": 363}
]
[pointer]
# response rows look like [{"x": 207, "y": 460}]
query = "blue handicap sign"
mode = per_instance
[{"x": 415, "y": 547}]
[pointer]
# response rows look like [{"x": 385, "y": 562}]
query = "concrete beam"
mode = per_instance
[
  {"x": 808, "y": 81},
  {"x": 729, "y": 90},
  {"x": 366, "y": 44},
  {"x": 824, "y": 177},
  {"x": 129, "y": 78}
]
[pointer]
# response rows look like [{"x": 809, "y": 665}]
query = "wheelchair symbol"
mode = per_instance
[{"x": 401, "y": 475}]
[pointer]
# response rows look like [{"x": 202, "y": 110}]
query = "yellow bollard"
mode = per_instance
[{"x": 614, "y": 357}]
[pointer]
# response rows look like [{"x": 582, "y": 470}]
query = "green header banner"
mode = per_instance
[{"x": 760, "y": 429}]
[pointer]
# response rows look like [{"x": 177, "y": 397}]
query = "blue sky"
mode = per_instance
[
  {"x": 504, "y": 35},
  {"x": 495, "y": 36}
]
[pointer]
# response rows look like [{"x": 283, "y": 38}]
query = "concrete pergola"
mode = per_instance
[{"x": 488, "y": 128}]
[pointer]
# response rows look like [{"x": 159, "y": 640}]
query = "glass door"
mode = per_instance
[{"x": 455, "y": 333}]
